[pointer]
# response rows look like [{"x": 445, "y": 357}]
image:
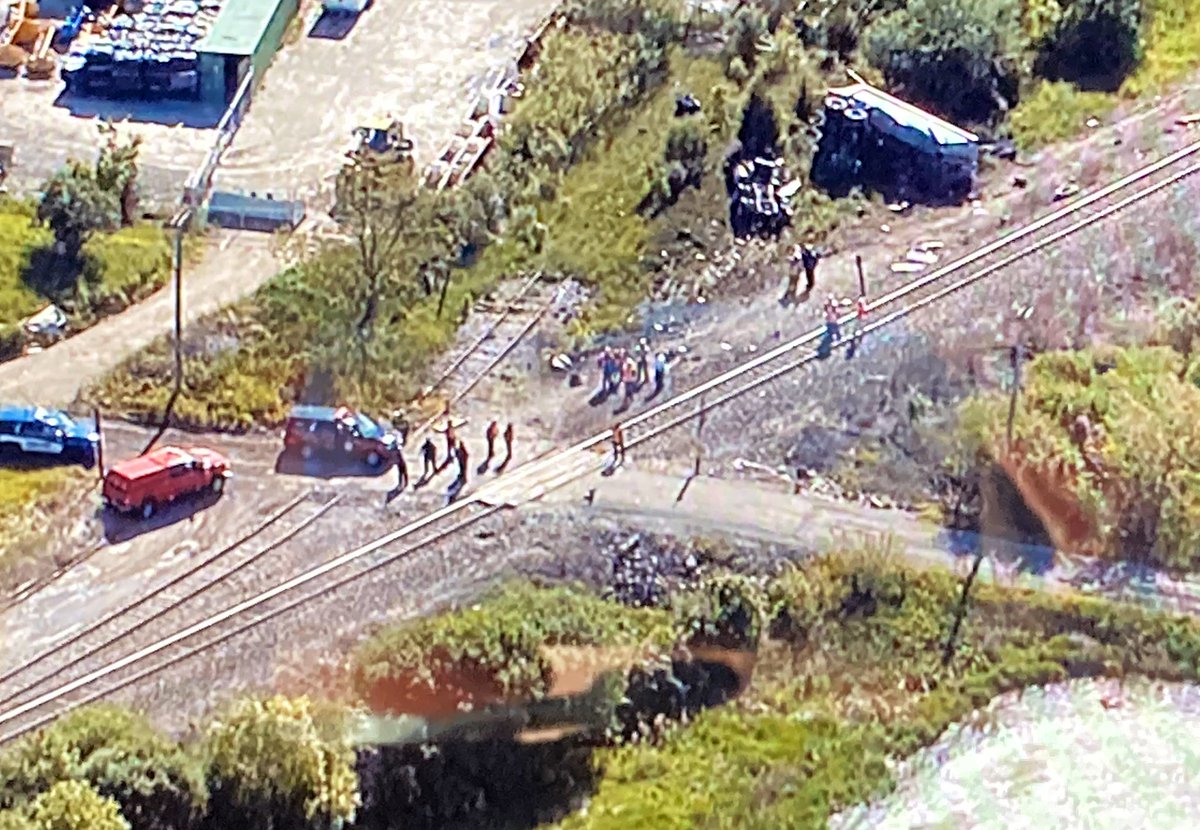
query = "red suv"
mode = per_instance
[
  {"x": 143, "y": 484},
  {"x": 326, "y": 429}
]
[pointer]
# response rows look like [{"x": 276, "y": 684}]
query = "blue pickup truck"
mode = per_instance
[{"x": 35, "y": 430}]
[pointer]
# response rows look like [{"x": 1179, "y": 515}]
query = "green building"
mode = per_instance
[{"x": 245, "y": 36}]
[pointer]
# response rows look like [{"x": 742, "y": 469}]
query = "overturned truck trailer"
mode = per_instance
[{"x": 874, "y": 140}]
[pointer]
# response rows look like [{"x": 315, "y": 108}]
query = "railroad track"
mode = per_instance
[
  {"x": 554, "y": 470},
  {"x": 219, "y": 577},
  {"x": 503, "y": 323}
]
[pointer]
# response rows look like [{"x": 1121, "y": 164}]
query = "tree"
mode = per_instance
[
  {"x": 960, "y": 56},
  {"x": 81, "y": 199},
  {"x": 116, "y": 171},
  {"x": 75, "y": 206},
  {"x": 278, "y": 763},
  {"x": 743, "y": 34},
  {"x": 75, "y": 805},
  {"x": 121, "y": 755},
  {"x": 375, "y": 203}
]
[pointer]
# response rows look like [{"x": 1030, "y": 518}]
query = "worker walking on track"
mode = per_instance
[
  {"x": 660, "y": 374},
  {"x": 860, "y": 321},
  {"x": 401, "y": 469},
  {"x": 809, "y": 259},
  {"x": 462, "y": 457},
  {"x": 508, "y": 445},
  {"x": 618, "y": 444}
]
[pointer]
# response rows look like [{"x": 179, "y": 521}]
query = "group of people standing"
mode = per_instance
[
  {"x": 628, "y": 370},
  {"x": 456, "y": 452},
  {"x": 804, "y": 259}
]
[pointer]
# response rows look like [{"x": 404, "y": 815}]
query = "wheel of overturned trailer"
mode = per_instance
[
  {"x": 149, "y": 509},
  {"x": 374, "y": 459},
  {"x": 218, "y": 484}
]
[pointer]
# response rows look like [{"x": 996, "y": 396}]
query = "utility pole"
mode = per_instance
[
  {"x": 1018, "y": 357},
  {"x": 862, "y": 280},
  {"x": 178, "y": 224}
]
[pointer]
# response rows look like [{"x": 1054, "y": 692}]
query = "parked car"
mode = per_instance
[
  {"x": 141, "y": 485},
  {"x": 37, "y": 430},
  {"x": 337, "y": 430}
]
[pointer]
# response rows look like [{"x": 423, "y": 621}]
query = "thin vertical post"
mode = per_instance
[
  {"x": 862, "y": 279},
  {"x": 99, "y": 443}
]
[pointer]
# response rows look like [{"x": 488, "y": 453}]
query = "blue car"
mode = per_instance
[{"x": 37, "y": 430}]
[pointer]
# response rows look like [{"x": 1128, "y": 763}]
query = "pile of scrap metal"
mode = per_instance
[
  {"x": 760, "y": 196},
  {"x": 467, "y": 148},
  {"x": 873, "y": 140}
]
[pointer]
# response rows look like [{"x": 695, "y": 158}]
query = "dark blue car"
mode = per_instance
[{"x": 37, "y": 430}]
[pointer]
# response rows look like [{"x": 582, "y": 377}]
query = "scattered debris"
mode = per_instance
[
  {"x": 686, "y": 105},
  {"x": 1065, "y": 191}
]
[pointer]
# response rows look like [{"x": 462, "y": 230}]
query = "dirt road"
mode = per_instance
[{"x": 237, "y": 263}]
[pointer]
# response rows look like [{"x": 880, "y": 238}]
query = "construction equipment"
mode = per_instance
[{"x": 381, "y": 138}]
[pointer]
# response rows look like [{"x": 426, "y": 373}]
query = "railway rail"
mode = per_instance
[
  {"x": 554, "y": 470},
  {"x": 166, "y": 604},
  {"x": 513, "y": 318}
]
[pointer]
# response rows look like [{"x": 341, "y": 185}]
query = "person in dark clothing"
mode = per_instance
[
  {"x": 618, "y": 443},
  {"x": 401, "y": 470},
  {"x": 493, "y": 432},
  {"x": 451, "y": 442},
  {"x": 429, "y": 459},
  {"x": 462, "y": 456},
  {"x": 809, "y": 259}
]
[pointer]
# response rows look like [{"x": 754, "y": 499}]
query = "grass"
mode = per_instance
[
  {"x": 1055, "y": 111},
  {"x": 119, "y": 269},
  {"x": 27, "y": 494},
  {"x": 18, "y": 239}
]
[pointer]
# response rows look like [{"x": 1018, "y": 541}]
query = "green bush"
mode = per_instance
[
  {"x": 157, "y": 785},
  {"x": 75, "y": 805},
  {"x": 963, "y": 57},
  {"x": 279, "y": 762},
  {"x": 498, "y": 644}
]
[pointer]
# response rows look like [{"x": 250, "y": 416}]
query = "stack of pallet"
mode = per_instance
[
  {"x": 467, "y": 148},
  {"x": 148, "y": 51}
]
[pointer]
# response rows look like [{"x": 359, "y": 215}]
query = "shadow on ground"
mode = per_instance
[
  {"x": 169, "y": 113},
  {"x": 334, "y": 25},
  {"x": 328, "y": 466},
  {"x": 120, "y": 527}
]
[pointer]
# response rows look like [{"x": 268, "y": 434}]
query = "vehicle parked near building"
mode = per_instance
[
  {"x": 313, "y": 430},
  {"x": 28, "y": 430},
  {"x": 144, "y": 484}
]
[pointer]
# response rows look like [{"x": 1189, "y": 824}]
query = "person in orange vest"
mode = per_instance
[
  {"x": 508, "y": 443},
  {"x": 860, "y": 321},
  {"x": 618, "y": 444}
]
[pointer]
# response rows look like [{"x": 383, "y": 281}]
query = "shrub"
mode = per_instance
[
  {"x": 75, "y": 805},
  {"x": 279, "y": 762},
  {"x": 495, "y": 649},
  {"x": 157, "y": 785},
  {"x": 1117, "y": 433},
  {"x": 12, "y": 340},
  {"x": 961, "y": 56}
]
